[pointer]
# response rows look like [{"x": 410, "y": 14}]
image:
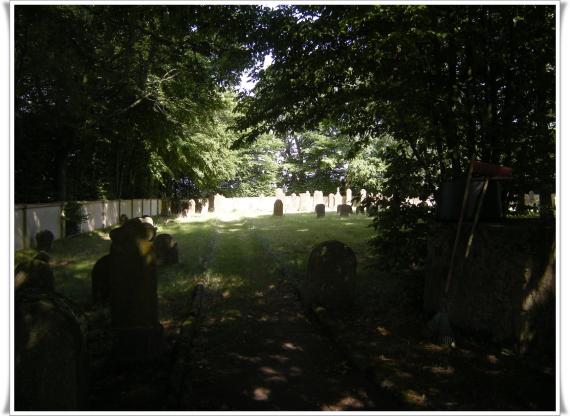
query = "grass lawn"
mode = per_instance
[{"x": 243, "y": 260}]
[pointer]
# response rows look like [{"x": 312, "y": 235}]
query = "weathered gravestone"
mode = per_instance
[
  {"x": 35, "y": 274},
  {"x": 50, "y": 356},
  {"x": 191, "y": 206},
  {"x": 123, "y": 219},
  {"x": 205, "y": 206},
  {"x": 101, "y": 280},
  {"x": 137, "y": 334},
  {"x": 348, "y": 197},
  {"x": 317, "y": 197},
  {"x": 331, "y": 273},
  {"x": 331, "y": 200},
  {"x": 338, "y": 200},
  {"x": 344, "y": 210},
  {"x": 185, "y": 207},
  {"x": 305, "y": 201},
  {"x": 320, "y": 210},
  {"x": 166, "y": 249},
  {"x": 278, "y": 208},
  {"x": 44, "y": 240},
  {"x": 199, "y": 207}
]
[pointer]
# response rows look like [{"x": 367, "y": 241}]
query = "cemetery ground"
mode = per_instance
[{"x": 238, "y": 335}]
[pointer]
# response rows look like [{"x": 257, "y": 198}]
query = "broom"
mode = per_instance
[{"x": 439, "y": 324}]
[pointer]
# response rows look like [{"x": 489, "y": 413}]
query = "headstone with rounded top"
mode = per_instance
[
  {"x": 278, "y": 208},
  {"x": 349, "y": 197},
  {"x": 338, "y": 200},
  {"x": 44, "y": 240},
  {"x": 331, "y": 273},
  {"x": 304, "y": 203},
  {"x": 191, "y": 207},
  {"x": 166, "y": 249},
  {"x": 320, "y": 210},
  {"x": 344, "y": 210},
  {"x": 50, "y": 354}
]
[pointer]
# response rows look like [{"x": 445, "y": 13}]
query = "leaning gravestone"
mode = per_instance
[
  {"x": 44, "y": 240},
  {"x": 331, "y": 273},
  {"x": 34, "y": 274},
  {"x": 137, "y": 334},
  {"x": 101, "y": 280},
  {"x": 50, "y": 355},
  {"x": 278, "y": 208},
  {"x": 166, "y": 249},
  {"x": 320, "y": 210}
]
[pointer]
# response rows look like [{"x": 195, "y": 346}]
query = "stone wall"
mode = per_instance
[{"x": 505, "y": 289}]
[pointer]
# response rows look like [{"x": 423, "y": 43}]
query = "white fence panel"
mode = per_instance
[
  {"x": 110, "y": 213},
  {"x": 42, "y": 217},
  {"x": 19, "y": 236},
  {"x": 146, "y": 207},
  {"x": 154, "y": 207},
  {"x": 126, "y": 207},
  {"x": 94, "y": 211},
  {"x": 137, "y": 208}
]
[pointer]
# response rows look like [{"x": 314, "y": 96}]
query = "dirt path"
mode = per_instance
[{"x": 257, "y": 351}]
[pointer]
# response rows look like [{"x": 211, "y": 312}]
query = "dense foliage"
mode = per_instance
[
  {"x": 119, "y": 101},
  {"x": 448, "y": 83}
]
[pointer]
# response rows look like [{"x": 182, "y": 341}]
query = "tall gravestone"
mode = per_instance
[
  {"x": 331, "y": 200},
  {"x": 337, "y": 198},
  {"x": 50, "y": 354},
  {"x": 191, "y": 206},
  {"x": 349, "y": 197},
  {"x": 278, "y": 208},
  {"x": 294, "y": 202},
  {"x": 304, "y": 204},
  {"x": 331, "y": 273},
  {"x": 101, "y": 280},
  {"x": 137, "y": 334},
  {"x": 318, "y": 197}
]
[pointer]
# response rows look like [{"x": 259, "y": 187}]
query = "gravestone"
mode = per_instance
[
  {"x": 50, "y": 355},
  {"x": 349, "y": 197},
  {"x": 305, "y": 201},
  {"x": 219, "y": 203},
  {"x": 278, "y": 208},
  {"x": 198, "y": 207},
  {"x": 34, "y": 274},
  {"x": 295, "y": 200},
  {"x": 331, "y": 200},
  {"x": 318, "y": 197},
  {"x": 344, "y": 210},
  {"x": 44, "y": 240},
  {"x": 134, "y": 303},
  {"x": 320, "y": 210},
  {"x": 191, "y": 207},
  {"x": 185, "y": 207},
  {"x": 101, "y": 280},
  {"x": 331, "y": 272},
  {"x": 338, "y": 197},
  {"x": 205, "y": 206},
  {"x": 166, "y": 249}
]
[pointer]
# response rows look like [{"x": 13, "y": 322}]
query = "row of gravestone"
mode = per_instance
[
  {"x": 51, "y": 368},
  {"x": 343, "y": 210}
]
